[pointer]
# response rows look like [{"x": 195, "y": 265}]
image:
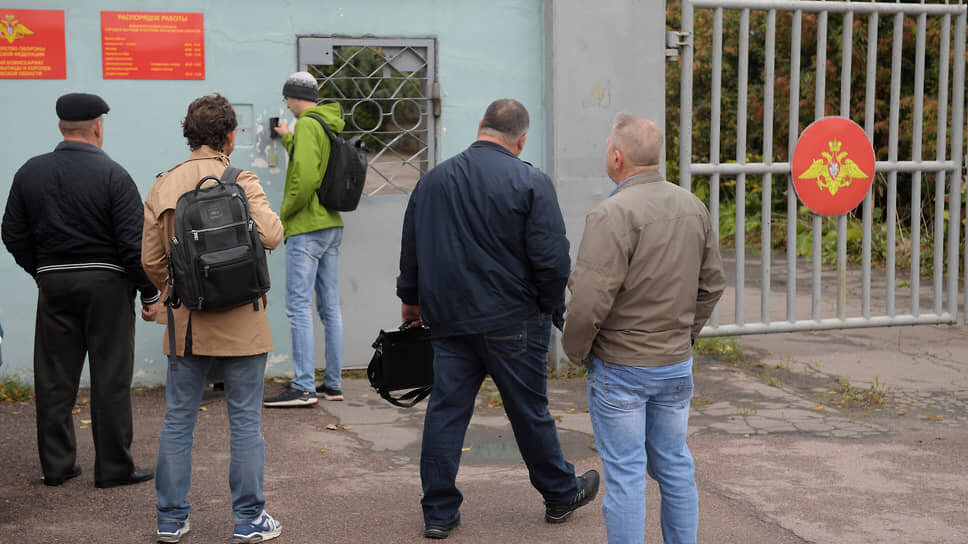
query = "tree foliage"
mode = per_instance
[{"x": 805, "y": 100}]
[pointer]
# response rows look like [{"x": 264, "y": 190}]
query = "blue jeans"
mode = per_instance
[
  {"x": 311, "y": 266},
  {"x": 516, "y": 358},
  {"x": 244, "y": 378},
  {"x": 640, "y": 427}
]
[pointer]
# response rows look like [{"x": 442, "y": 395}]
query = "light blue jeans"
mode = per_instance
[
  {"x": 640, "y": 427},
  {"x": 244, "y": 378},
  {"x": 311, "y": 266}
]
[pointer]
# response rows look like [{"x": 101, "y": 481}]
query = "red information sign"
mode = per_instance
[
  {"x": 32, "y": 44},
  {"x": 143, "y": 45},
  {"x": 833, "y": 166}
]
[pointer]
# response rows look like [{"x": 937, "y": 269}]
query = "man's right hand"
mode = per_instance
[
  {"x": 411, "y": 313},
  {"x": 149, "y": 312},
  {"x": 282, "y": 128}
]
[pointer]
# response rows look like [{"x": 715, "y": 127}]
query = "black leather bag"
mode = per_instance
[{"x": 404, "y": 359}]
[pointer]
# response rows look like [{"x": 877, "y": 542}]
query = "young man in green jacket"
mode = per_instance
[{"x": 313, "y": 235}]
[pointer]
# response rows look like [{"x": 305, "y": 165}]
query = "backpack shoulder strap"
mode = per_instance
[
  {"x": 332, "y": 137},
  {"x": 230, "y": 174}
]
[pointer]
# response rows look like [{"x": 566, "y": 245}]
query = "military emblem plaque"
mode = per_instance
[{"x": 833, "y": 166}]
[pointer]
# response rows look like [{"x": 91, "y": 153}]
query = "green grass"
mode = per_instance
[
  {"x": 13, "y": 388},
  {"x": 725, "y": 348}
]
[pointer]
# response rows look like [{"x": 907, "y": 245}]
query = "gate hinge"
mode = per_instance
[{"x": 675, "y": 40}]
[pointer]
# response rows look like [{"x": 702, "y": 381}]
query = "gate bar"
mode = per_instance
[
  {"x": 941, "y": 144},
  {"x": 916, "y": 176},
  {"x": 792, "y": 136},
  {"x": 716, "y": 121},
  {"x": 766, "y": 210},
  {"x": 892, "y": 157},
  {"x": 869, "y": 198},
  {"x": 846, "y": 59},
  {"x": 814, "y": 6},
  {"x": 741, "y": 115}
]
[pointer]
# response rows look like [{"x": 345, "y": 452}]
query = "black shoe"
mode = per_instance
[
  {"x": 328, "y": 393},
  {"x": 58, "y": 480},
  {"x": 441, "y": 532},
  {"x": 291, "y": 397},
  {"x": 587, "y": 490},
  {"x": 137, "y": 476}
]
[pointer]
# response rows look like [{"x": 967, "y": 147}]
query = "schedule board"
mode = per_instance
[
  {"x": 152, "y": 45},
  {"x": 32, "y": 44}
]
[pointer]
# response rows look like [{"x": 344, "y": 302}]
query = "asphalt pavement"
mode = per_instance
[{"x": 829, "y": 437}]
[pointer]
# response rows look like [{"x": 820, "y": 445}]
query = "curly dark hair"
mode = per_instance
[{"x": 209, "y": 121}]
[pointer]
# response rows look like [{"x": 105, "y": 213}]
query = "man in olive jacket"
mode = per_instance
[
  {"x": 236, "y": 341},
  {"x": 313, "y": 237},
  {"x": 646, "y": 279}
]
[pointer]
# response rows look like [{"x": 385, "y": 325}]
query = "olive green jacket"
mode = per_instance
[
  {"x": 647, "y": 276},
  {"x": 308, "y": 148}
]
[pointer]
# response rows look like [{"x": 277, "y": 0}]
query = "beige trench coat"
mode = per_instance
[{"x": 237, "y": 332}]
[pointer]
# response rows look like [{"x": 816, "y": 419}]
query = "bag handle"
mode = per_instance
[
  {"x": 229, "y": 176},
  {"x": 416, "y": 395}
]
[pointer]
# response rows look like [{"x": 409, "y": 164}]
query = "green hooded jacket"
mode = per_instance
[{"x": 308, "y": 148}]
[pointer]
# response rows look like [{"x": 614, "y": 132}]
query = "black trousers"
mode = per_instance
[{"x": 84, "y": 312}]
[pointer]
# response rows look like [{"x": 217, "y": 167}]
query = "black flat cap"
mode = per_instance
[{"x": 81, "y": 107}]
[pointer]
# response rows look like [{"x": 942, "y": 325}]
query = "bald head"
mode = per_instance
[{"x": 505, "y": 122}]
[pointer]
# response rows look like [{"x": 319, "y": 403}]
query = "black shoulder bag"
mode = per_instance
[{"x": 404, "y": 359}]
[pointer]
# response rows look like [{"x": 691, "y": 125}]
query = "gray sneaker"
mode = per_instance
[
  {"x": 329, "y": 393},
  {"x": 290, "y": 398}
]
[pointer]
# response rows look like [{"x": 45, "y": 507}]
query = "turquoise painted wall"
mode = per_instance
[{"x": 485, "y": 50}]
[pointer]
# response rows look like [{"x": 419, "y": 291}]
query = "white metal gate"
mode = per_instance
[{"x": 899, "y": 166}]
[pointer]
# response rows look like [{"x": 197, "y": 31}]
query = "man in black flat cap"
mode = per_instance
[{"x": 73, "y": 222}]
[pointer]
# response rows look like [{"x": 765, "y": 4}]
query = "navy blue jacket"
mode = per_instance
[{"x": 483, "y": 243}]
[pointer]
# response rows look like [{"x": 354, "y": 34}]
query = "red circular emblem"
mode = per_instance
[{"x": 833, "y": 166}]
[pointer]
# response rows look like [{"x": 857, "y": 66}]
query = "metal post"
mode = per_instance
[
  {"x": 820, "y": 100},
  {"x": 685, "y": 97},
  {"x": 715, "y": 122},
  {"x": 892, "y": 158},
  {"x": 869, "y": 130},
  {"x": 794, "y": 133},
  {"x": 916, "y": 176},
  {"x": 846, "y": 54},
  {"x": 942, "y": 144},
  {"x": 766, "y": 209},
  {"x": 741, "y": 106}
]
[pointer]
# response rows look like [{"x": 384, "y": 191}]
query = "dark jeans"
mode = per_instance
[
  {"x": 516, "y": 357},
  {"x": 78, "y": 312}
]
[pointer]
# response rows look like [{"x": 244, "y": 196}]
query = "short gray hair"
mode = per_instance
[
  {"x": 507, "y": 117},
  {"x": 75, "y": 128},
  {"x": 638, "y": 138}
]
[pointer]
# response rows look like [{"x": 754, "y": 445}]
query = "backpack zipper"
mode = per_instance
[{"x": 195, "y": 233}]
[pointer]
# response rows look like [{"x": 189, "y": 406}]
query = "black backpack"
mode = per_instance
[
  {"x": 216, "y": 260},
  {"x": 345, "y": 174}
]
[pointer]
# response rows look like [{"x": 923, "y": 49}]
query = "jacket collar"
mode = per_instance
[
  {"x": 492, "y": 145},
  {"x": 206, "y": 152},
  {"x": 646, "y": 177},
  {"x": 74, "y": 145}
]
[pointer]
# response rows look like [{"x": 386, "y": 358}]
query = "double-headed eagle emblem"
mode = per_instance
[
  {"x": 11, "y": 29},
  {"x": 835, "y": 171}
]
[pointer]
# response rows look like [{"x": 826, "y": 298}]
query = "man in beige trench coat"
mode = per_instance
[{"x": 238, "y": 340}]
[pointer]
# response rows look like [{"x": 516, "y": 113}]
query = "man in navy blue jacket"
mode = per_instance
[{"x": 484, "y": 263}]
